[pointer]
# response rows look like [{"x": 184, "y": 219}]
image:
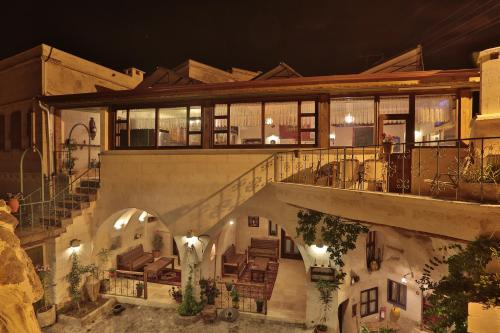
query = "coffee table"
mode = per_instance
[
  {"x": 258, "y": 269},
  {"x": 153, "y": 269}
]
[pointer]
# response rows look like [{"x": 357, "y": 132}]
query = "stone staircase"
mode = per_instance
[{"x": 50, "y": 218}]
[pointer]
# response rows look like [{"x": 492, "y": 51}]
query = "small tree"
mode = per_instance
[
  {"x": 467, "y": 281},
  {"x": 74, "y": 278},
  {"x": 157, "y": 242},
  {"x": 189, "y": 305}
]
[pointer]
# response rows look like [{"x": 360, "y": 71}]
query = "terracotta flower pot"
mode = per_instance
[
  {"x": 47, "y": 317},
  {"x": 13, "y": 204},
  {"x": 395, "y": 314}
]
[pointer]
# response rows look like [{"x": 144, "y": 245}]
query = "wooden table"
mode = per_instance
[
  {"x": 258, "y": 269},
  {"x": 156, "y": 267}
]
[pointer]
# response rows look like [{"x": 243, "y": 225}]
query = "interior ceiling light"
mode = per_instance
[{"x": 349, "y": 119}]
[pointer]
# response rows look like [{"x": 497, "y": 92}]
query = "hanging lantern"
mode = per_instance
[{"x": 92, "y": 128}]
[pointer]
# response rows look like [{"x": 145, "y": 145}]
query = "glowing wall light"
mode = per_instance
[
  {"x": 143, "y": 216},
  {"x": 319, "y": 249},
  {"x": 349, "y": 119}
]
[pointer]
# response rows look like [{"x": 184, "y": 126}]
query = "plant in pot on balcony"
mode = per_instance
[
  {"x": 139, "y": 288},
  {"x": 387, "y": 141},
  {"x": 235, "y": 298},
  {"x": 45, "y": 311},
  {"x": 229, "y": 286},
  {"x": 209, "y": 291},
  {"x": 112, "y": 273},
  {"x": 157, "y": 245}
]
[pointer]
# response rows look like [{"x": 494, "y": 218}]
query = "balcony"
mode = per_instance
[{"x": 460, "y": 170}]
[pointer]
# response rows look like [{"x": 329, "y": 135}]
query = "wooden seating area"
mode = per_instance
[
  {"x": 134, "y": 259},
  {"x": 264, "y": 247},
  {"x": 233, "y": 263},
  {"x": 154, "y": 269}
]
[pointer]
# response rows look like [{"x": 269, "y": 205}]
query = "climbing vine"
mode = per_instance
[
  {"x": 337, "y": 235},
  {"x": 74, "y": 278},
  {"x": 189, "y": 305},
  {"x": 466, "y": 281}
]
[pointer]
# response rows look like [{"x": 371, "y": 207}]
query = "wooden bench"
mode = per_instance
[
  {"x": 264, "y": 247},
  {"x": 134, "y": 259},
  {"x": 233, "y": 263}
]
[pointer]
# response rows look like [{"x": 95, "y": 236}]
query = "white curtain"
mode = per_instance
[
  {"x": 352, "y": 111},
  {"x": 282, "y": 113},
  {"x": 432, "y": 109},
  {"x": 142, "y": 118},
  {"x": 246, "y": 114},
  {"x": 394, "y": 105}
]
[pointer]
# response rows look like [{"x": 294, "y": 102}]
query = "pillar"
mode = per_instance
[{"x": 324, "y": 121}]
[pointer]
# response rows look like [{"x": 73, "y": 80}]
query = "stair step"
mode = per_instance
[
  {"x": 87, "y": 190},
  {"x": 73, "y": 204},
  {"x": 81, "y": 197},
  {"x": 66, "y": 212},
  {"x": 93, "y": 183},
  {"x": 51, "y": 221}
]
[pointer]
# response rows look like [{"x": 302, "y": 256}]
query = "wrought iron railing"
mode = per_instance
[
  {"x": 74, "y": 195},
  {"x": 251, "y": 297},
  {"x": 467, "y": 169},
  {"x": 122, "y": 283}
]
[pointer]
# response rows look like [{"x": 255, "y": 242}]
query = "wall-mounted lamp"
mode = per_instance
[
  {"x": 231, "y": 222},
  {"x": 92, "y": 128},
  {"x": 404, "y": 280},
  {"x": 75, "y": 243},
  {"x": 319, "y": 249}
]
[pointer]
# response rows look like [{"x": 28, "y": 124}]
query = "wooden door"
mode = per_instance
[{"x": 288, "y": 248}]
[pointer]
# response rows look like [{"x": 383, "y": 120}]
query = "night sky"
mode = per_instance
[{"x": 315, "y": 37}]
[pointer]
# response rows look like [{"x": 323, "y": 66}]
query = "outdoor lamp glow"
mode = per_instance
[{"x": 75, "y": 243}]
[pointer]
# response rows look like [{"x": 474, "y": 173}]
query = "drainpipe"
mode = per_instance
[{"x": 49, "y": 135}]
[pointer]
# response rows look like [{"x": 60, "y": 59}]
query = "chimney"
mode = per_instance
[
  {"x": 135, "y": 73},
  {"x": 487, "y": 122}
]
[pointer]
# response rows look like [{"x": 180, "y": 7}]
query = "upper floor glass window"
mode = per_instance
[
  {"x": 352, "y": 121},
  {"x": 265, "y": 123},
  {"x": 158, "y": 127},
  {"x": 435, "y": 118}
]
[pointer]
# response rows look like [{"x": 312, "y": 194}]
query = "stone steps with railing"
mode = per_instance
[{"x": 54, "y": 215}]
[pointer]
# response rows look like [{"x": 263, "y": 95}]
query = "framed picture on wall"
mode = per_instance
[
  {"x": 253, "y": 221},
  {"x": 273, "y": 229}
]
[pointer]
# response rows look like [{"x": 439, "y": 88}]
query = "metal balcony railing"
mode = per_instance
[{"x": 464, "y": 170}]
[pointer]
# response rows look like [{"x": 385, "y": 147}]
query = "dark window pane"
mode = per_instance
[
  {"x": 15, "y": 130},
  {"x": 142, "y": 127}
]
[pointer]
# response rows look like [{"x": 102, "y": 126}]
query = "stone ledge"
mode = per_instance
[{"x": 87, "y": 319}]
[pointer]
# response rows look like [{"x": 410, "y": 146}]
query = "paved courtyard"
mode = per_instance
[{"x": 145, "y": 319}]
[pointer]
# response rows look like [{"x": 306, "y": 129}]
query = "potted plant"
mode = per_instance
[
  {"x": 13, "y": 201},
  {"x": 229, "y": 286},
  {"x": 387, "y": 143},
  {"x": 112, "y": 273},
  {"x": 325, "y": 289},
  {"x": 235, "y": 297},
  {"x": 209, "y": 290},
  {"x": 103, "y": 256},
  {"x": 260, "y": 305},
  {"x": 46, "y": 313},
  {"x": 176, "y": 294},
  {"x": 157, "y": 245},
  {"x": 139, "y": 287}
]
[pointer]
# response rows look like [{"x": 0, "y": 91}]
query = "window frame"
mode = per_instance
[
  {"x": 157, "y": 108},
  {"x": 400, "y": 287},
  {"x": 367, "y": 303},
  {"x": 300, "y": 130}
]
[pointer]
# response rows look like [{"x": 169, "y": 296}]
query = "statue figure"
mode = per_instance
[{"x": 20, "y": 286}]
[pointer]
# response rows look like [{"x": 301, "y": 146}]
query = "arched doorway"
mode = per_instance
[
  {"x": 134, "y": 250},
  {"x": 251, "y": 254}
]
